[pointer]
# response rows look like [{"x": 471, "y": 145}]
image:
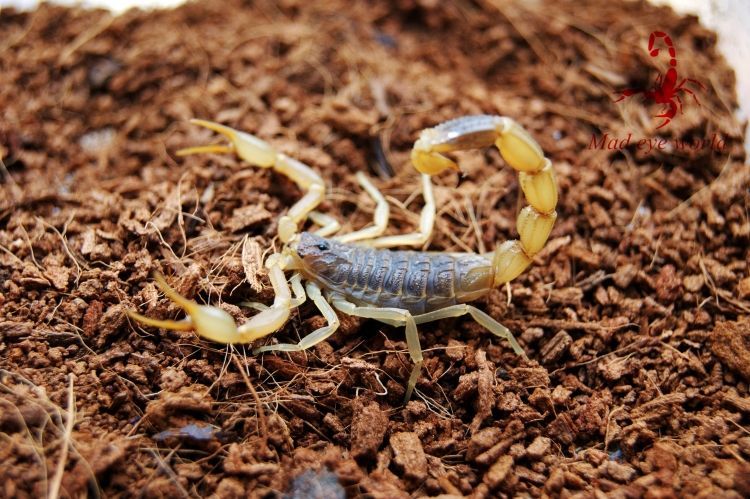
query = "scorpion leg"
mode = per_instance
[
  {"x": 392, "y": 316},
  {"x": 260, "y": 153},
  {"x": 328, "y": 224},
  {"x": 380, "y": 218},
  {"x": 679, "y": 101},
  {"x": 480, "y": 317},
  {"x": 370, "y": 235},
  {"x": 426, "y": 223},
  {"x": 312, "y": 339}
]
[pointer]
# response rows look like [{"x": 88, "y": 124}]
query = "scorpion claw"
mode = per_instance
[
  {"x": 183, "y": 325},
  {"x": 248, "y": 147},
  {"x": 260, "y": 153},
  {"x": 213, "y": 323},
  {"x": 209, "y": 322}
]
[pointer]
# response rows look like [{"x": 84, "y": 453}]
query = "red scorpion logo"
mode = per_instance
[{"x": 665, "y": 90}]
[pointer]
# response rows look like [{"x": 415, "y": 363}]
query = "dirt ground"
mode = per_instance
[{"x": 635, "y": 316}]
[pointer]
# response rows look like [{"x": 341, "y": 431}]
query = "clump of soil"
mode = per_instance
[{"x": 635, "y": 316}]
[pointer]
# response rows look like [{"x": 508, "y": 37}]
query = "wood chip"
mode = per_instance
[
  {"x": 409, "y": 455},
  {"x": 498, "y": 472},
  {"x": 252, "y": 263}
]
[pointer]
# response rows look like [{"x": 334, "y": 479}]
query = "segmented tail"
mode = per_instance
[{"x": 668, "y": 41}]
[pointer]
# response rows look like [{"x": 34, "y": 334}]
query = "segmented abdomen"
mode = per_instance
[{"x": 416, "y": 281}]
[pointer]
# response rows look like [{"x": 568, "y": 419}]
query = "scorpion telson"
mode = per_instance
[{"x": 400, "y": 288}]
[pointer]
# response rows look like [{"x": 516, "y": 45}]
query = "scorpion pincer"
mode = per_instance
[{"x": 355, "y": 274}]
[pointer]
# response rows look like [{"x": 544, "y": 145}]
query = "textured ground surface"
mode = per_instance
[{"x": 635, "y": 316}]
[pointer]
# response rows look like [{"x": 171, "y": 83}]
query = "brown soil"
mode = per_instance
[{"x": 635, "y": 316}]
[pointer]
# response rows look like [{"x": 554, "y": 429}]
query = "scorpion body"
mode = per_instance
[
  {"x": 416, "y": 281},
  {"x": 355, "y": 274}
]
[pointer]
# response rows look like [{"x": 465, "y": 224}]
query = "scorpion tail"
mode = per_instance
[
  {"x": 667, "y": 41},
  {"x": 524, "y": 155}
]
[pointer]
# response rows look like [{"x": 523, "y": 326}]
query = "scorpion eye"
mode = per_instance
[{"x": 323, "y": 246}]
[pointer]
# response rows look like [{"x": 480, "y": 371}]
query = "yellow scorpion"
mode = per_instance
[{"x": 400, "y": 288}]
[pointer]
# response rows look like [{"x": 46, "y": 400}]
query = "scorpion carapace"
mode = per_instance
[
  {"x": 666, "y": 88},
  {"x": 355, "y": 274}
]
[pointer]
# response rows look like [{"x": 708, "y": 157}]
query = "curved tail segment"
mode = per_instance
[
  {"x": 654, "y": 52},
  {"x": 523, "y": 154}
]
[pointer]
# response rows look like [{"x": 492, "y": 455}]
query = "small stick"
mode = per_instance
[
  {"x": 261, "y": 415},
  {"x": 54, "y": 488}
]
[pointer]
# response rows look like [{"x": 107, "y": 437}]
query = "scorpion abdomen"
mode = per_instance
[{"x": 419, "y": 282}]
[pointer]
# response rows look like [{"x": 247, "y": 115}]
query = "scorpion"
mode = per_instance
[
  {"x": 357, "y": 273},
  {"x": 666, "y": 89}
]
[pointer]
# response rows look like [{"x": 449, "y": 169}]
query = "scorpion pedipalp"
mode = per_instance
[
  {"x": 215, "y": 324},
  {"x": 212, "y": 322},
  {"x": 260, "y": 153}
]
